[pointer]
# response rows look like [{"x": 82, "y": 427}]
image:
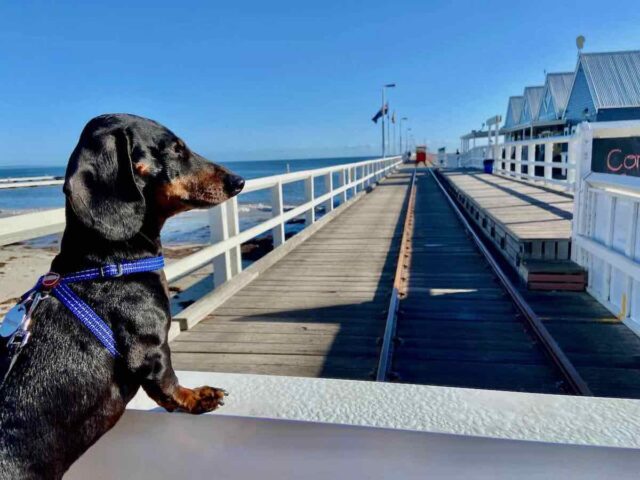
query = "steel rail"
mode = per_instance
[
  {"x": 399, "y": 286},
  {"x": 574, "y": 380}
]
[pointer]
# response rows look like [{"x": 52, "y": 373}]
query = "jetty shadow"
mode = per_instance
[
  {"x": 549, "y": 207},
  {"x": 346, "y": 304}
]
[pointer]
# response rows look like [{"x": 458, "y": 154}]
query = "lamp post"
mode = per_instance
[
  {"x": 401, "y": 120},
  {"x": 384, "y": 87}
]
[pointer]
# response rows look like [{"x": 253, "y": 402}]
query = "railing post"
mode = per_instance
[
  {"x": 354, "y": 179},
  {"x": 328, "y": 186},
  {"x": 572, "y": 159},
  {"x": 507, "y": 158},
  {"x": 277, "y": 209},
  {"x": 548, "y": 159},
  {"x": 310, "y": 215},
  {"x": 235, "y": 254},
  {"x": 344, "y": 179},
  {"x": 219, "y": 231},
  {"x": 518, "y": 160}
]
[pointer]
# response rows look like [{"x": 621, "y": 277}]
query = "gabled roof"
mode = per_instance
[
  {"x": 514, "y": 110},
  {"x": 613, "y": 78},
  {"x": 531, "y": 108},
  {"x": 559, "y": 84}
]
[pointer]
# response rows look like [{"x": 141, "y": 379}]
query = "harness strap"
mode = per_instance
[
  {"x": 58, "y": 287},
  {"x": 87, "y": 317},
  {"x": 116, "y": 270}
]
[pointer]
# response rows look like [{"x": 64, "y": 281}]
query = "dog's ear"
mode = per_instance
[{"x": 100, "y": 185}]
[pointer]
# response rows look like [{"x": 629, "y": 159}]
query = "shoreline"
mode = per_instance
[{"x": 21, "y": 264}]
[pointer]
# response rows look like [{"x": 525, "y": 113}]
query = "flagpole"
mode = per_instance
[
  {"x": 388, "y": 85},
  {"x": 388, "y": 127},
  {"x": 393, "y": 138},
  {"x": 383, "y": 152}
]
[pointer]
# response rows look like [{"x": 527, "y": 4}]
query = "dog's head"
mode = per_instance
[{"x": 126, "y": 168}]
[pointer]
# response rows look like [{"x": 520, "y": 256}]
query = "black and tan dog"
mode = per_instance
[{"x": 126, "y": 176}]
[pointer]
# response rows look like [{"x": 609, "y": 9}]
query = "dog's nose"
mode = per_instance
[{"x": 233, "y": 184}]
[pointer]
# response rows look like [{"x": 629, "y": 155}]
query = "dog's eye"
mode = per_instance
[{"x": 180, "y": 148}]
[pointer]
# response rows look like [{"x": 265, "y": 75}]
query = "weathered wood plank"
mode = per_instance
[{"x": 316, "y": 312}]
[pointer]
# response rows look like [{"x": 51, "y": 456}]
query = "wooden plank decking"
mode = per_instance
[
  {"x": 526, "y": 222},
  {"x": 526, "y": 211},
  {"x": 319, "y": 311},
  {"x": 458, "y": 326}
]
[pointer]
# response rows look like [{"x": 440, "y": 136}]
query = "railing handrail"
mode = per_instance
[
  {"x": 567, "y": 163},
  {"x": 541, "y": 140},
  {"x": 262, "y": 183},
  {"x": 355, "y": 176},
  {"x": 28, "y": 179}
]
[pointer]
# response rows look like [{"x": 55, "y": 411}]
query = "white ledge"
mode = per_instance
[{"x": 470, "y": 412}]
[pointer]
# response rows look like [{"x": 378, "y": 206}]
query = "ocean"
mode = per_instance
[{"x": 186, "y": 228}]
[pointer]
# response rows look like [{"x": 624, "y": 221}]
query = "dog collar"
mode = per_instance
[{"x": 58, "y": 286}]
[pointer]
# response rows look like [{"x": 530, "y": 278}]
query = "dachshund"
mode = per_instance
[{"x": 124, "y": 179}]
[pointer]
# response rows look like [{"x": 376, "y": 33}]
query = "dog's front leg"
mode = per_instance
[{"x": 161, "y": 384}]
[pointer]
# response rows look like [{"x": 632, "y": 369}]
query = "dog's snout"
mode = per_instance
[{"x": 233, "y": 184}]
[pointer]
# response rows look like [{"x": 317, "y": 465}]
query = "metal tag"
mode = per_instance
[{"x": 12, "y": 320}]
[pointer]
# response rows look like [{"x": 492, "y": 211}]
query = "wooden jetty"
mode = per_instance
[
  {"x": 320, "y": 303},
  {"x": 529, "y": 224},
  {"x": 457, "y": 327},
  {"x": 317, "y": 312}
]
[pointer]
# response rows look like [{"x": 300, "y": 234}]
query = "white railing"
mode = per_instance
[
  {"x": 225, "y": 251},
  {"x": 224, "y": 219},
  {"x": 606, "y": 226},
  {"x": 518, "y": 160},
  {"x": 473, "y": 157}
]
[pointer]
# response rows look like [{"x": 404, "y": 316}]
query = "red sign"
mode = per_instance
[{"x": 618, "y": 156}]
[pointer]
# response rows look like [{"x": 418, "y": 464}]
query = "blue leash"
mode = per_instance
[{"x": 58, "y": 287}]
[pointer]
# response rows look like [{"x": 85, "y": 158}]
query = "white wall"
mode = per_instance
[{"x": 285, "y": 427}]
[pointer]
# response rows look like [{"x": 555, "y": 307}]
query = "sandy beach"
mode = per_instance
[{"x": 21, "y": 265}]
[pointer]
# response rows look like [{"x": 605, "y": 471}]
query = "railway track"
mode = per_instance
[{"x": 455, "y": 318}]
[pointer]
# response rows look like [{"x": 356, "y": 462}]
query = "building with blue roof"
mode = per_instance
[
  {"x": 606, "y": 87},
  {"x": 557, "y": 88},
  {"x": 603, "y": 87},
  {"x": 514, "y": 112}
]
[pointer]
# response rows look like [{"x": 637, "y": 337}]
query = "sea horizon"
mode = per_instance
[
  {"x": 223, "y": 162},
  {"x": 187, "y": 228}
]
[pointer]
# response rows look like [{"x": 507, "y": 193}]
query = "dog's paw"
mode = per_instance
[
  {"x": 196, "y": 401},
  {"x": 206, "y": 399}
]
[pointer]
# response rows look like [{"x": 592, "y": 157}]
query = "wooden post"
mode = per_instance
[
  {"x": 328, "y": 186},
  {"x": 518, "y": 160},
  {"x": 548, "y": 159},
  {"x": 344, "y": 179},
  {"x": 277, "y": 209},
  {"x": 310, "y": 215},
  {"x": 233, "y": 220},
  {"x": 507, "y": 157},
  {"x": 354, "y": 179},
  {"x": 572, "y": 159},
  {"x": 219, "y": 230}
]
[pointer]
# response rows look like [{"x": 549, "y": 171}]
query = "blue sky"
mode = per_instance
[{"x": 281, "y": 79}]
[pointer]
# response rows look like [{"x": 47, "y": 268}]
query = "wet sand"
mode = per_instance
[{"x": 22, "y": 264}]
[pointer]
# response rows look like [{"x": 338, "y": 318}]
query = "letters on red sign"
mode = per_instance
[{"x": 616, "y": 161}]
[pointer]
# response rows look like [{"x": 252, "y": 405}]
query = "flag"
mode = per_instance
[
  {"x": 393, "y": 117},
  {"x": 381, "y": 112}
]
